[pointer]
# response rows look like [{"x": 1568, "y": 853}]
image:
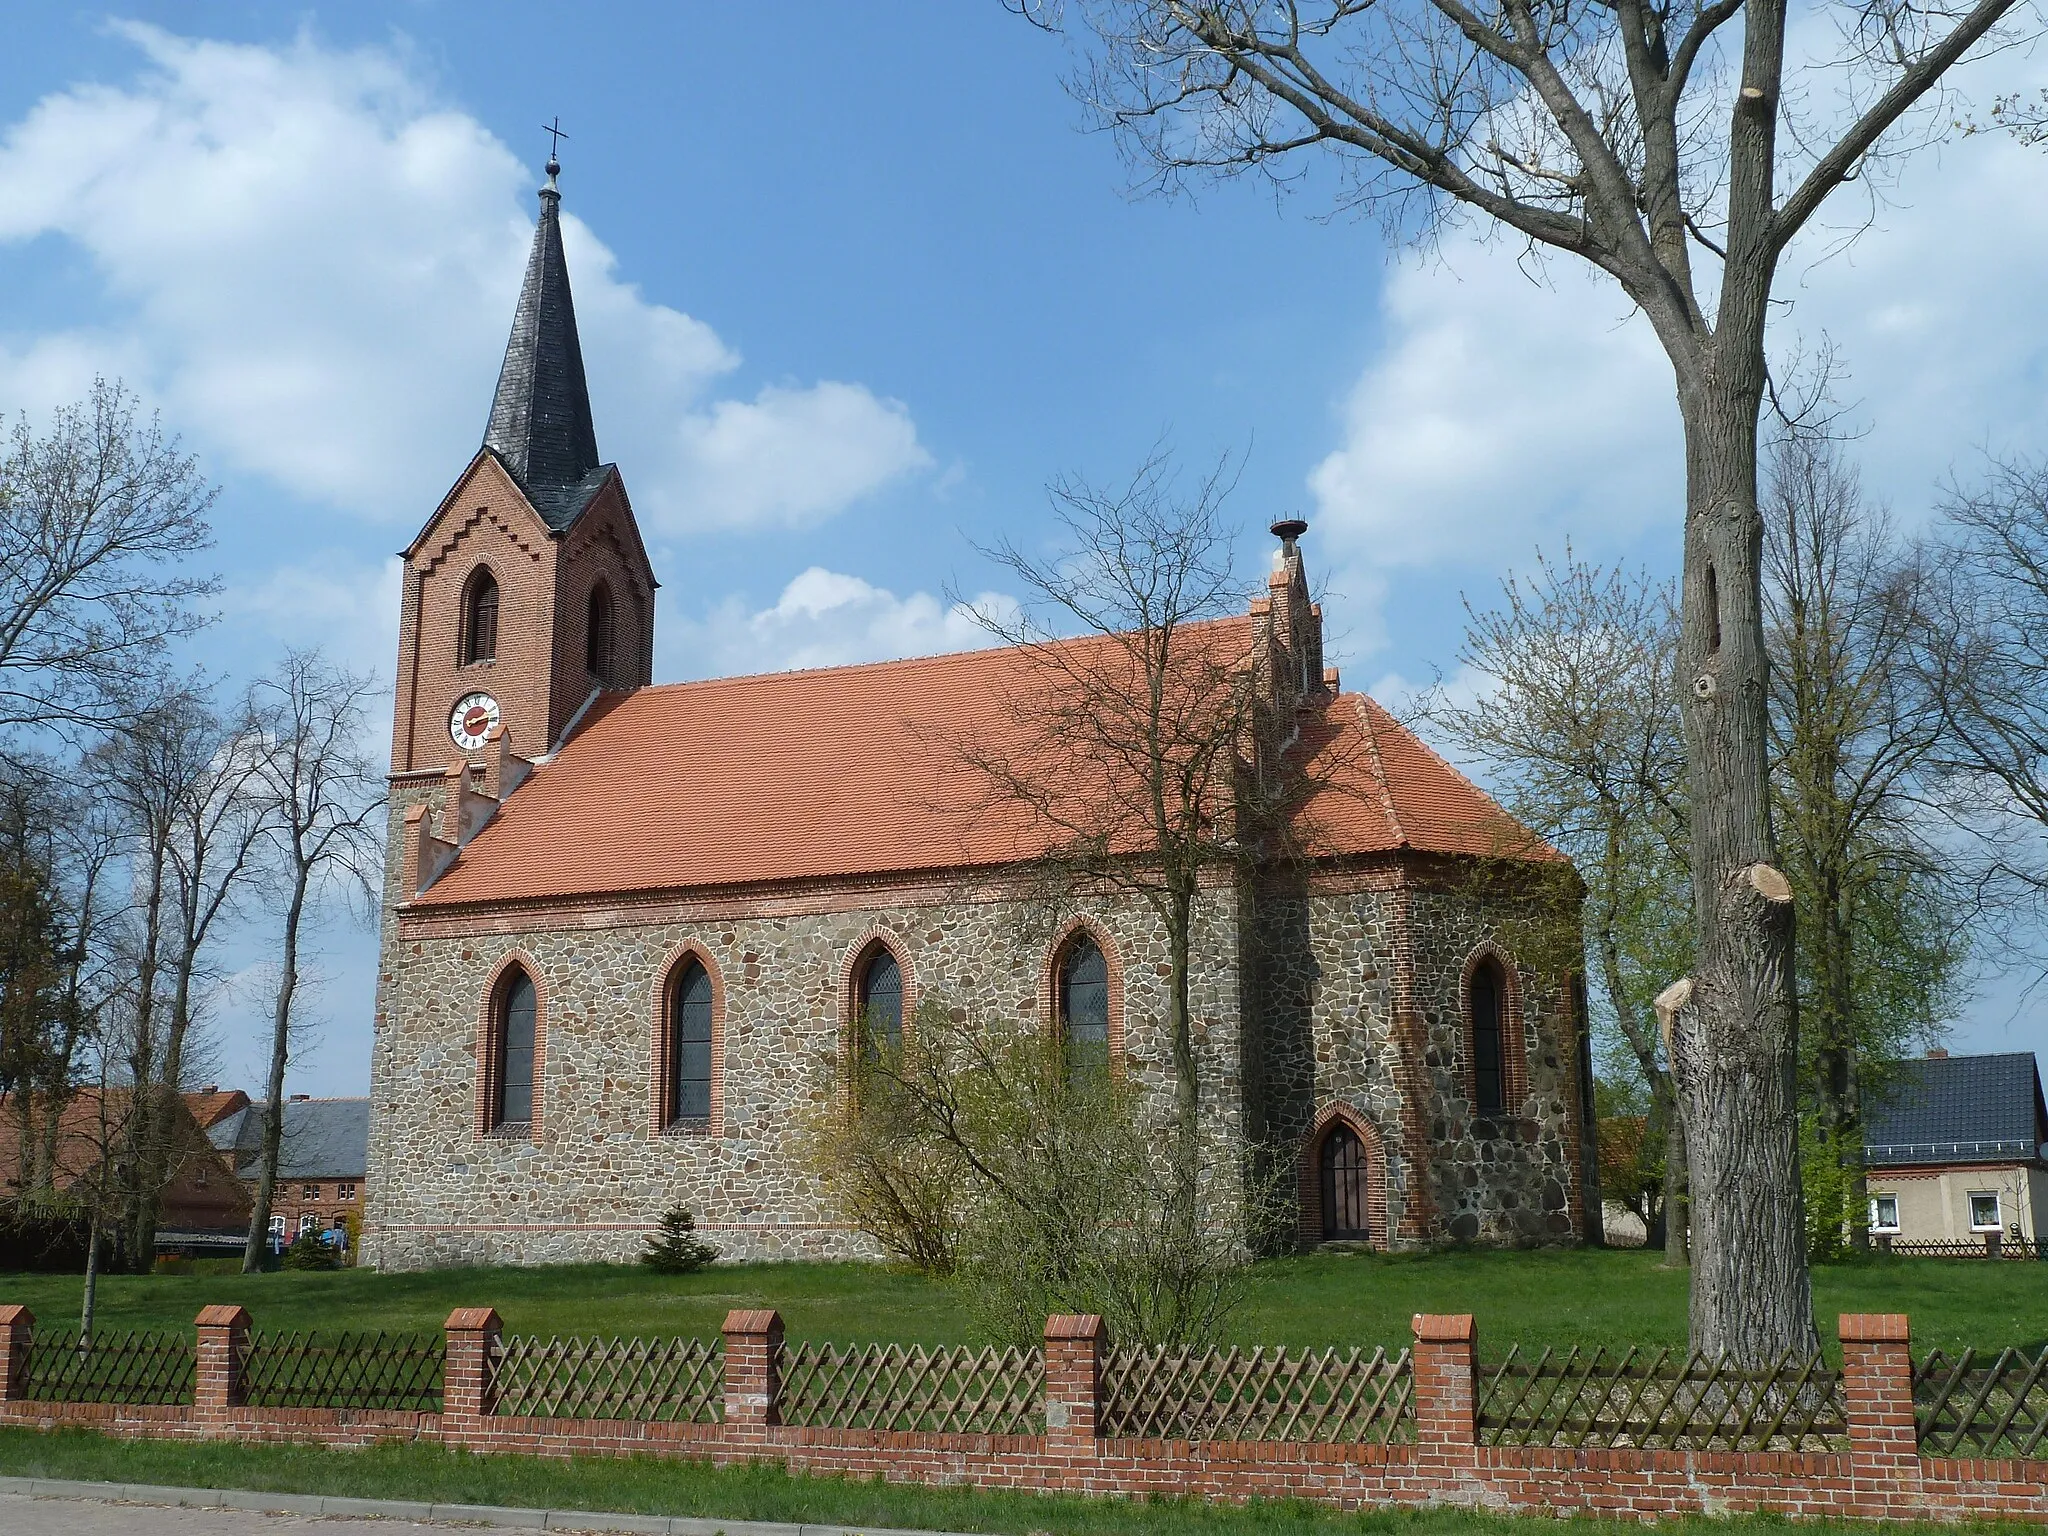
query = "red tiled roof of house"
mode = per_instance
[
  {"x": 849, "y": 771},
  {"x": 210, "y": 1106}
]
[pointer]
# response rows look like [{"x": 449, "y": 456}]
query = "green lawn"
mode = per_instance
[
  {"x": 1552, "y": 1297},
  {"x": 763, "y": 1492}
]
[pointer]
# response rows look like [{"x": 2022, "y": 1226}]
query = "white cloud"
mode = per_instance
[
  {"x": 347, "y": 607},
  {"x": 827, "y": 619},
  {"x": 1504, "y": 413},
  {"x": 318, "y": 265}
]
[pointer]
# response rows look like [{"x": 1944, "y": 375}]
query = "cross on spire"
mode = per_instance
[{"x": 555, "y": 137}]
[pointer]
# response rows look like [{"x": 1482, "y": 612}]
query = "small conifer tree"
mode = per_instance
[{"x": 675, "y": 1248}]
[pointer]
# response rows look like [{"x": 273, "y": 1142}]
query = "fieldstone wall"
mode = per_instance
[
  {"x": 1332, "y": 974},
  {"x": 595, "y": 1175}
]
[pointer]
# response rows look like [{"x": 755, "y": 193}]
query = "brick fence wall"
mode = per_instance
[{"x": 1881, "y": 1474}]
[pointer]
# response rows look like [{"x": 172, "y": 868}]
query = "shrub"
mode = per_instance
[
  {"x": 675, "y": 1248},
  {"x": 310, "y": 1251}
]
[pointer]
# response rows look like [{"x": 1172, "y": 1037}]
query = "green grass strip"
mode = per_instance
[{"x": 765, "y": 1491}]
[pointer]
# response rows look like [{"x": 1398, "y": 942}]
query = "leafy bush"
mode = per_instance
[
  {"x": 675, "y": 1248},
  {"x": 1828, "y": 1192}
]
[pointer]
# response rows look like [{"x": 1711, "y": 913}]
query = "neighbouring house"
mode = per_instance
[
  {"x": 634, "y": 936},
  {"x": 202, "y": 1207},
  {"x": 323, "y": 1160},
  {"x": 1956, "y": 1151}
]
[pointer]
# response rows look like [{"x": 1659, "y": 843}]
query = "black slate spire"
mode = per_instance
[{"x": 540, "y": 419}]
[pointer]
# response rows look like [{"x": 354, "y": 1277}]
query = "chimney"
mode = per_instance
[
  {"x": 301, "y": 1098},
  {"x": 211, "y": 1088},
  {"x": 1937, "y": 1053}
]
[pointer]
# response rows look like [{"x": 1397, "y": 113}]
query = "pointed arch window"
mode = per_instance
[
  {"x": 879, "y": 997},
  {"x": 597, "y": 635},
  {"x": 1084, "y": 1005},
  {"x": 1488, "y": 1003},
  {"x": 515, "y": 1015},
  {"x": 690, "y": 1057},
  {"x": 479, "y": 639}
]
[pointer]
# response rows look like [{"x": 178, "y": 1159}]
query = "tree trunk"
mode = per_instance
[
  {"x": 92, "y": 1278},
  {"x": 280, "y": 1050},
  {"x": 1677, "y": 1242},
  {"x": 1735, "y": 1038}
]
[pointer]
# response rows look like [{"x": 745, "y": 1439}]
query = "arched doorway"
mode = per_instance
[{"x": 1345, "y": 1182}]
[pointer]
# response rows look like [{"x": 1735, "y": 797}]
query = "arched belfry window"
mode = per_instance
[
  {"x": 1346, "y": 1184},
  {"x": 479, "y": 641},
  {"x": 1488, "y": 994},
  {"x": 689, "y": 1065},
  {"x": 878, "y": 998},
  {"x": 1084, "y": 1005},
  {"x": 514, "y": 1016},
  {"x": 597, "y": 636}
]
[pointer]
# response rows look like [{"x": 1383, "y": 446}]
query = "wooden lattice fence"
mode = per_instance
[
  {"x": 1659, "y": 1400},
  {"x": 660, "y": 1380},
  {"x": 890, "y": 1386},
  {"x": 1963, "y": 1406},
  {"x": 110, "y": 1367},
  {"x": 1326, "y": 1395},
  {"x": 344, "y": 1370}
]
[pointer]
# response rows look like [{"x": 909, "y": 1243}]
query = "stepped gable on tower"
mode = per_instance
[{"x": 528, "y": 590}]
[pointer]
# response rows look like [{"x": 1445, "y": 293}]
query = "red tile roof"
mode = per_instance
[{"x": 846, "y": 771}]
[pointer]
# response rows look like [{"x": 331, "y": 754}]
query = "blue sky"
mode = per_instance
[{"x": 853, "y": 286}]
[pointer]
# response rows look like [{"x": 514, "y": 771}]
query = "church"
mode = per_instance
[{"x": 630, "y": 930}]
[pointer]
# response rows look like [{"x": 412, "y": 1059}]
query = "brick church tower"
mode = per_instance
[{"x": 528, "y": 591}]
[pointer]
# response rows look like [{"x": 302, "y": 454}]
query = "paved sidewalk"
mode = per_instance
[{"x": 51, "y": 1507}]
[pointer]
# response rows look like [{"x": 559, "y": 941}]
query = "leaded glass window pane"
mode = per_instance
[
  {"x": 516, "y": 1015},
  {"x": 1084, "y": 1003},
  {"x": 691, "y": 1088},
  {"x": 1486, "y": 1056},
  {"x": 881, "y": 1005}
]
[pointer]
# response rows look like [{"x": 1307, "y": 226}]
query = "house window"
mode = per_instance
[
  {"x": 344, "y": 1191},
  {"x": 1345, "y": 1183},
  {"x": 597, "y": 635},
  {"x": 308, "y": 1223},
  {"x": 880, "y": 999},
  {"x": 1983, "y": 1212},
  {"x": 1084, "y": 1005},
  {"x": 690, "y": 1048},
  {"x": 1884, "y": 1213},
  {"x": 480, "y": 619},
  {"x": 309, "y": 1192},
  {"x": 277, "y": 1229},
  {"x": 1489, "y": 1090},
  {"x": 513, "y": 1040}
]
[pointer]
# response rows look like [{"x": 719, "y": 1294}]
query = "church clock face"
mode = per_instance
[{"x": 472, "y": 719}]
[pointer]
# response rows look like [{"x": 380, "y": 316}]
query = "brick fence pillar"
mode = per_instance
[
  {"x": 17, "y": 1325},
  {"x": 1446, "y": 1392},
  {"x": 1074, "y": 1347},
  {"x": 753, "y": 1368},
  {"x": 1877, "y": 1391},
  {"x": 223, "y": 1341},
  {"x": 467, "y": 1385}
]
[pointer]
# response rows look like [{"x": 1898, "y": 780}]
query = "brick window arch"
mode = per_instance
[
  {"x": 1343, "y": 1157},
  {"x": 478, "y": 638},
  {"x": 1068, "y": 964},
  {"x": 1496, "y": 1067},
  {"x": 689, "y": 1045},
  {"x": 512, "y": 1050},
  {"x": 865, "y": 989}
]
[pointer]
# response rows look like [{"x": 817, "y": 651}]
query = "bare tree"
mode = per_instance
[
  {"x": 1136, "y": 734},
  {"x": 1681, "y": 157},
  {"x": 321, "y": 791},
  {"x": 185, "y": 779},
  {"x": 1580, "y": 735},
  {"x": 95, "y": 515}
]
